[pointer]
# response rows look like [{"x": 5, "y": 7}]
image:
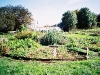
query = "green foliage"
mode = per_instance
[
  {"x": 62, "y": 40},
  {"x": 81, "y": 51},
  {"x": 86, "y": 67},
  {"x": 18, "y": 47},
  {"x": 85, "y": 18},
  {"x": 50, "y": 38},
  {"x": 69, "y": 20},
  {"x": 23, "y": 27},
  {"x": 27, "y": 34},
  {"x": 19, "y": 52},
  {"x": 7, "y": 19},
  {"x": 12, "y": 17},
  {"x": 26, "y": 43},
  {"x": 53, "y": 37},
  {"x": 95, "y": 49},
  {"x": 82, "y": 18}
]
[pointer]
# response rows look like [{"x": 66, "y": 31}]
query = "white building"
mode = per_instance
[{"x": 46, "y": 28}]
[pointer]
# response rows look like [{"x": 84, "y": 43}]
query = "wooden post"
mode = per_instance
[
  {"x": 54, "y": 52},
  {"x": 87, "y": 53}
]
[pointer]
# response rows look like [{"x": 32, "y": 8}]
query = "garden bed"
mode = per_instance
[{"x": 42, "y": 59}]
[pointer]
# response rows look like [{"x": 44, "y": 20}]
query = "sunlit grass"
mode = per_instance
[{"x": 20, "y": 67}]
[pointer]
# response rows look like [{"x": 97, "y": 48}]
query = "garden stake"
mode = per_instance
[{"x": 87, "y": 52}]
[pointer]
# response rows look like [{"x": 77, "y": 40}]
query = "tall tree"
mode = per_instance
[
  {"x": 69, "y": 20},
  {"x": 23, "y": 16},
  {"x": 12, "y": 17},
  {"x": 7, "y": 19},
  {"x": 84, "y": 18}
]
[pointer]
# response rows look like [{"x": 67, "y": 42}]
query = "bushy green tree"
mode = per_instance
[
  {"x": 69, "y": 20},
  {"x": 7, "y": 19},
  {"x": 84, "y": 18},
  {"x": 12, "y": 17}
]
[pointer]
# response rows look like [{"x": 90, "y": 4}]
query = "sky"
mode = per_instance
[{"x": 49, "y": 12}]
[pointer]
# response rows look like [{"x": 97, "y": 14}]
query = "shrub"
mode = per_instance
[
  {"x": 49, "y": 39},
  {"x": 23, "y": 27},
  {"x": 25, "y": 34},
  {"x": 19, "y": 52},
  {"x": 52, "y": 37},
  {"x": 20, "y": 47},
  {"x": 62, "y": 40},
  {"x": 26, "y": 43}
]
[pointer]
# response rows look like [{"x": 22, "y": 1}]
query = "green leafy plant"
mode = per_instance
[
  {"x": 20, "y": 47},
  {"x": 50, "y": 38},
  {"x": 53, "y": 37},
  {"x": 26, "y": 34}
]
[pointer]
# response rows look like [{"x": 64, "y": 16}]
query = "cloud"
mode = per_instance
[{"x": 74, "y": 1}]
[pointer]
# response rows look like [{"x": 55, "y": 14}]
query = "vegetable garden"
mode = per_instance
[{"x": 31, "y": 45}]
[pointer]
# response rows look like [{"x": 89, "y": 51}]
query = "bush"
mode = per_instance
[
  {"x": 52, "y": 37},
  {"x": 25, "y": 34},
  {"x": 23, "y": 27},
  {"x": 62, "y": 40},
  {"x": 19, "y": 52},
  {"x": 26, "y": 43},
  {"x": 20, "y": 47}
]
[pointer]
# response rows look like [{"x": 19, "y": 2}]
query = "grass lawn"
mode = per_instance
[{"x": 9, "y": 66}]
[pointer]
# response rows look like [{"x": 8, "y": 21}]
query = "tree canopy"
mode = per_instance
[
  {"x": 84, "y": 18},
  {"x": 12, "y": 17},
  {"x": 69, "y": 20}
]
